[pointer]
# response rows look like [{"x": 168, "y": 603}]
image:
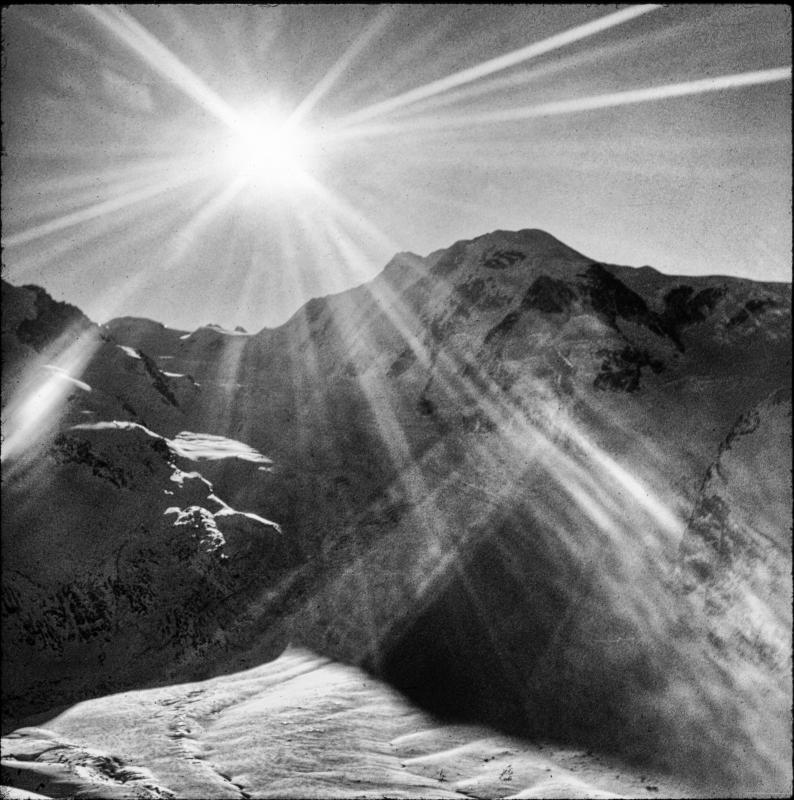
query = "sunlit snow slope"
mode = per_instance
[{"x": 298, "y": 727}]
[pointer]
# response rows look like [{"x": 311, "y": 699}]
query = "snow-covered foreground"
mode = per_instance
[{"x": 298, "y": 727}]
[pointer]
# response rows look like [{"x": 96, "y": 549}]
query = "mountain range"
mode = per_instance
[{"x": 528, "y": 490}]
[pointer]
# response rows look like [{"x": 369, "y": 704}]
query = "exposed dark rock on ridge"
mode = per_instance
[{"x": 49, "y": 319}]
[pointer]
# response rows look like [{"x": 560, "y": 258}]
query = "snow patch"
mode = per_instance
[
  {"x": 130, "y": 351},
  {"x": 115, "y": 425},
  {"x": 178, "y": 476},
  {"x": 226, "y": 331},
  {"x": 229, "y": 512},
  {"x": 209, "y": 447}
]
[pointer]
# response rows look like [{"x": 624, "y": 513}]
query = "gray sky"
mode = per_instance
[{"x": 119, "y": 196}]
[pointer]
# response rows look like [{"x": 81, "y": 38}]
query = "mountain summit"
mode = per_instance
[{"x": 487, "y": 476}]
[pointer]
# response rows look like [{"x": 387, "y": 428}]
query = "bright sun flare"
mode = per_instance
[{"x": 268, "y": 154}]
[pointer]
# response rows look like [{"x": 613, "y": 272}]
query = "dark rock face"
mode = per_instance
[
  {"x": 752, "y": 310},
  {"x": 401, "y": 363},
  {"x": 502, "y": 259},
  {"x": 621, "y": 370},
  {"x": 50, "y": 319},
  {"x": 548, "y": 295},
  {"x": 683, "y": 305},
  {"x": 481, "y": 292},
  {"x": 69, "y": 449},
  {"x": 158, "y": 379},
  {"x": 482, "y": 466},
  {"x": 614, "y": 300},
  {"x": 503, "y": 328}
]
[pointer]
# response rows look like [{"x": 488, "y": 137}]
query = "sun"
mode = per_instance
[{"x": 267, "y": 154}]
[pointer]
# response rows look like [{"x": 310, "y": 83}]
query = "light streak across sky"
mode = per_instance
[
  {"x": 138, "y": 39},
  {"x": 367, "y": 36},
  {"x": 651, "y": 93},
  {"x": 104, "y": 208},
  {"x": 581, "y": 104},
  {"x": 500, "y": 63}
]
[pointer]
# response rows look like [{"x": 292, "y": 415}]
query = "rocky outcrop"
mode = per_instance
[{"x": 38, "y": 320}]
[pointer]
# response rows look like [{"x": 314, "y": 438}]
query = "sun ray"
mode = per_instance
[
  {"x": 287, "y": 219},
  {"x": 88, "y": 179},
  {"x": 353, "y": 261},
  {"x": 53, "y": 201},
  {"x": 449, "y": 368},
  {"x": 388, "y": 301},
  {"x": 572, "y": 106},
  {"x": 383, "y": 18},
  {"x": 187, "y": 237},
  {"x": 497, "y": 64},
  {"x": 137, "y": 226},
  {"x": 156, "y": 55},
  {"x": 541, "y": 72},
  {"x": 40, "y": 394},
  {"x": 388, "y": 426},
  {"x": 350, "y": 213},
  {"x": 307, "y": 381},
  {"x": 682, "y": 89},
  {"x": 599, "y": 501},
  {"x": 104, "y": 208}
]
